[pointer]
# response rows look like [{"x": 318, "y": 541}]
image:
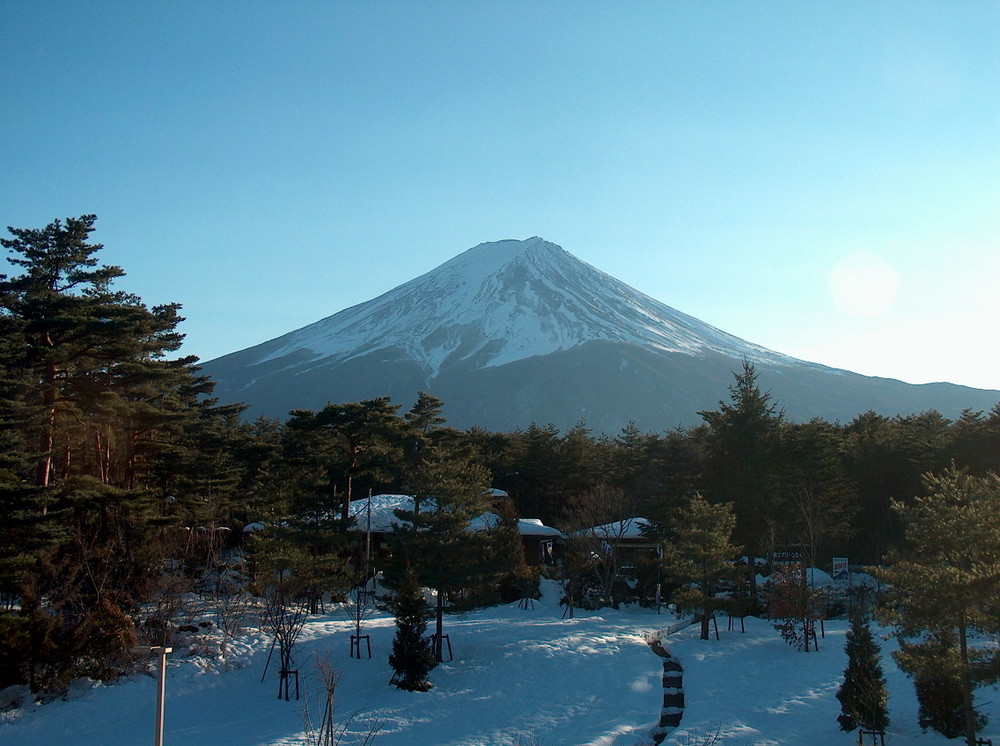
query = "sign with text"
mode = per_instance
[
  {"x": 839, "y": 567},
  {"x": 786, "y": 556}
]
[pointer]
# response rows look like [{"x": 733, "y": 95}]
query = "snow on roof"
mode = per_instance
[
  {"x": 535, "y": 527},
  {"x": 383, "y": 516},
  {"x": 525, "y": 526},
  {"x": 629, "y": 528}
]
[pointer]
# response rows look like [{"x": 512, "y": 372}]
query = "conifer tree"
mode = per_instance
[
  {"x": 944, "y": 587},
  {"x": 435, "y": 538},
  {"x": 699, "y": 556},
  {"x": 816, "y": 497},
  {"x": 347, "y": 440},
  {"x": 448, "y": 488},
  {"x": 412, "y": 656},
  {"x": 863, "y": 696},
  {"x": 741, "y": 441},
  {"x": 91, "y": 406},
  {"x": 938, "y": 685}
]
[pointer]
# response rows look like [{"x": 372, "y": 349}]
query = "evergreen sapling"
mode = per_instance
[
  {"x": 412, "y": 656},
  {"x": 863, "y": 696}
]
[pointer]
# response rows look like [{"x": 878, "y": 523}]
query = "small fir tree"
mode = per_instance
[
  {"x": 863, "y": 697},
  {"x": 412, "y": 656},
  {"x": 700, "y": 557}
]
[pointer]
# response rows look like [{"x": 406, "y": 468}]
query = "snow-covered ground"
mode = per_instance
[{"x": 520, "y": 677}]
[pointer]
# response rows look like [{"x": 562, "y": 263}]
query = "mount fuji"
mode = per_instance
[{"x": 513, "y": 332}]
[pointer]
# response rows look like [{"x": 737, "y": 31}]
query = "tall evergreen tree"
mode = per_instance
[
  {"x": 435, "y": 538},
  {"x": 944, "y": 587},
  {"x": 92, "y": 404},
  {"x": 816, "y": 497},
  {"x": 449, "y": 490},
  {"x": 741, "y": 441},
  {"x": 532, "y": 478},
  {"x": 350, "y": 439}
]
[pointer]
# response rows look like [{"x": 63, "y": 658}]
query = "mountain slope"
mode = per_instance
[{"x": 512, "y": 332}]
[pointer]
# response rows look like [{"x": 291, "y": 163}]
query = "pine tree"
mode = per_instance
[
  {"x": 863, "y": 696},
  {"x": 91, "y": 409},
  {"x": 412, "y": 656},
  {"x": 435, "y": 538},
  {"x": 449, "y": 490},
  {"x": 741, "y": 442},
  {"x": 937, "y": 684},
  {"x": 816, "y": 496},
  {"x": 944, "y": 587},
  {"x": 699, "y": 557},
  {"x": 347, "y": 441}
]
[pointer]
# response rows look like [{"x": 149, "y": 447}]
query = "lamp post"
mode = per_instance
[{"x": 161, "y": 687}]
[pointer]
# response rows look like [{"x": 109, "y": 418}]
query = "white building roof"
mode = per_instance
[
  {"x": 383, "y": 516},
  {"x": 629, "y": 528}
]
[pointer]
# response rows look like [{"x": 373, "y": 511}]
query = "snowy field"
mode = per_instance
[{"x": 519, "y": 677}]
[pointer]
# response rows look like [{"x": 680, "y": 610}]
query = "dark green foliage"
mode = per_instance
[
  {"x": 514, "y": 579},
  {"x": 435, "y": 539},
  {"x": 412, "y": 656},
  {"x": 344, "y": 442},
  {"x": 940, "y": 704},
  {"x": 111, "y": 453},
  {"x": 105, "y": 440},
  {"x": 944, "y": 588},
  {"x": 863, "y": 696},
  {"x": 935, "y": 664},
  {"x": 816, "y": 498},
  {"x": 741, "y": 441},
  {"x": 699, "y": 557}
]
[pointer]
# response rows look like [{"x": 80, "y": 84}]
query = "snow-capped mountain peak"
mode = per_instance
[{"x": 504, "y": 301}]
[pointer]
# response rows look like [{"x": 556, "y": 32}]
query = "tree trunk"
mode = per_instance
[
  {"x": 345, "y": 514},
  {"x": 439, "y": 625},
  {"x": 705, "y": 596},
  {"x": 967, "y": 707},
  {"x": 44, "y": 474},
  {"x": 102, "y": 473}
]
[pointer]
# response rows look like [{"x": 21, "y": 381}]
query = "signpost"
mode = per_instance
[{"x": 161, "y": 685}]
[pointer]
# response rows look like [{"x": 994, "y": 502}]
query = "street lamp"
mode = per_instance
[{"x": 161, "y": 686}]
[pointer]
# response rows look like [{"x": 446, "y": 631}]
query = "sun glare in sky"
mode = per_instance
[{"x": 863, "y": 285}]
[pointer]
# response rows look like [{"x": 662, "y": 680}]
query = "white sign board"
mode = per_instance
[{"x": 839, "y": 567}]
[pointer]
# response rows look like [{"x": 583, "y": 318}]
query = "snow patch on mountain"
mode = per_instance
[{"x": 505, "y": 301}]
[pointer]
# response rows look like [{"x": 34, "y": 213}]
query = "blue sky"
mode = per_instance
[{"x": 822, "y": 178}]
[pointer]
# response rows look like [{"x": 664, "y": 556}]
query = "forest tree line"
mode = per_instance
[{"x": 118, "y": 468}]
